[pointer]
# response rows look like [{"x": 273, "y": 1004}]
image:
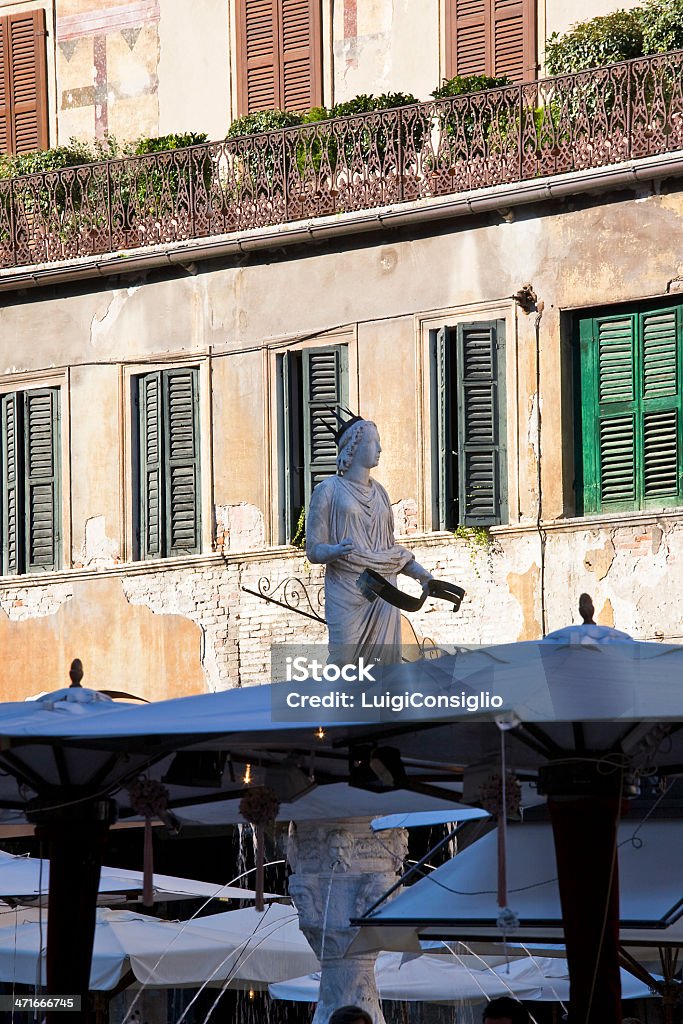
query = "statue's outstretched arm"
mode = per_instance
[
  {"x": 417, "y": 572},
  {"x": 320, "y": 546}
]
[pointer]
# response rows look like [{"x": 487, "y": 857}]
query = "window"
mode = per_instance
[
  {"x": 313, "y": 384},
  {"x": 279, "y": 55},
  {"x": 630, "y": 388},
  {"x": 168, "y": 507},
  {"x": 23, "y": 83},
  {"x": 491, "y": 37},
  {"x": 469, "y": 460},
  {"x": 30, "y": 481}
]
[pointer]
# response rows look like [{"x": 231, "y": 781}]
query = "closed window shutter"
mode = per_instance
[
  {"x": 293, "y": 445},
  {"x": 151, "y": 434},
  {"x": 325, "y": 390},
  {"x": 182, "y": 461},
  {"x": 509, "y": 41},
  {"x": 631, "y": 410},
  {"x": 280, "y": 55},
  {"x": 447, "y": 491},
  {"x": 23, "y": 83},
  {"x": 4, "y": 89},
  {"x": 41, "y": 479},
  {"x": 301, "y": 55},
  {"x": 168, "y": 403},
  {"x": 481, "y": 437},
  {"x": 467, "y": 42},
  {"x": 11, "y": 484},
  {"x": 491, "y": 37},
  {"x": 258, "y": 80},
  {"x": 661, "y": 394}
]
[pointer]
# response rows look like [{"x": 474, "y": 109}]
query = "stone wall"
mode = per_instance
[{"x": 161, "y": 630}]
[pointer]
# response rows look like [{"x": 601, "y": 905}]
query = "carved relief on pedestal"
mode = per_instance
[{"x": 339, "y": 871}]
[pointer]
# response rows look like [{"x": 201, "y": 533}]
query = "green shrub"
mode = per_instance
[
  {"x": 381, "y": 139},
  {"x": 365, "y": 104},
  {"x": 465, "y": 84},
  {"x": 255, "y": 168},
  {"x": 159, "y": 188},
  {"x": 161, "y": 143},
  {"x": 461, "y": 124},
  {"x": 263, "y": 121},
  {"x": 52, "y": 200},
  {"x": 590, "y": 44},
  {"x": 662, "y": 24}
]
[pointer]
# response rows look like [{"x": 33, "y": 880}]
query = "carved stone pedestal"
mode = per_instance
[{"x": 340, "y": 869}]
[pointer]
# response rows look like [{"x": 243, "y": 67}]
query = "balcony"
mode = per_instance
[{"x": 609, "y": 115}]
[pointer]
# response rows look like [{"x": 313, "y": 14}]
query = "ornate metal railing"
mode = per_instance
[{"x": 570, "y": 123}]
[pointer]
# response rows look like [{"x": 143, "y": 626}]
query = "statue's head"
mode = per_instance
[{"x": 358, "y": 442}]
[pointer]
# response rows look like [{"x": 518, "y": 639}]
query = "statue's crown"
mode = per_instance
[{"x": 345, "y": 419}]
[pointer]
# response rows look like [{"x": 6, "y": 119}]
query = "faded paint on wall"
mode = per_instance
[
  {"x": 376, "y": 43},
  {"x": 523, "y": 588},
  {"x": 240, "y": 444},
  {"x": 120, "y": 646},
  {"x": 95, "y": 457},
  {"x": 194, "y": 67},
  {"x": 107, "y": 68}
]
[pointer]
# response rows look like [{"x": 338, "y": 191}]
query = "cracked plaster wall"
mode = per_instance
[{"x": 189, "y": 629}]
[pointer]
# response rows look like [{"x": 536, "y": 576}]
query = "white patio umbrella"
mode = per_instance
[
  {"x": 26, "y": 880},
  {"x": 444, "y": 979},
  {"x": 457, "y": 901},
  {"x": 241, "y": 948},
  {"x": 104, "y": 746}
]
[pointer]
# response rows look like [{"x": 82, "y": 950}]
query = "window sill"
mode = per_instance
[{"x": 597, "y": 521}]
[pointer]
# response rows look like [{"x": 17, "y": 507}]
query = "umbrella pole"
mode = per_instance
[
  {"x": 585, "y": 832},
  {"x": 75, "y": 835}
]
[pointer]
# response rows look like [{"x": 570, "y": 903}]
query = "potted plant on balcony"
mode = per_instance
[
  {"x": 369, "y": 144},
  {"x": 472, "y": 119},
  {"x": 158, "y": 184},
  {"x": 54, "y": 201}
]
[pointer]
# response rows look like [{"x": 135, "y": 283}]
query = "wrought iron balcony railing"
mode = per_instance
[{"x": 570, "y": 123}]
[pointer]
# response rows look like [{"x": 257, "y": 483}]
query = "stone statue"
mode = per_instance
[
  {"x": 350, "y": 527},
  {"x": 341, "y": 868}
]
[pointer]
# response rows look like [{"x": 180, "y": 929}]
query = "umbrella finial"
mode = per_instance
[
  {"x": 586, "y": 609},
  {"x": 76, "y": 672}
]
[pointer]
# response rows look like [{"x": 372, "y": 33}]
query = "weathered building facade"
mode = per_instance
[{"x": 512, "y": 321}]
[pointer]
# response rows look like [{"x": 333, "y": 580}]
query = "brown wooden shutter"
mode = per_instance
[
  {"x": 491, "y": 37},
  {"x": 467, "y": 42},
  {"x": 301, "y": 55},
  {"x": 23, "y": 83},
  {"x": 513, "y": 39},
  {"x": 258, "y": 84},
  {"x": 280, "y": 55},
  {"x": 4, "y": 88}
]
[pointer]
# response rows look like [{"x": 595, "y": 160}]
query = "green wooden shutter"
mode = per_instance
[
  {"x": 325, "y": 388},
  {"x": 11, "y": 484},
  {"x": 630, "y": 414},
  {"x": 481, "y": 424},
  {"x": 446, "y": 490},
  {"x": 181, "y": 471},
  {"x": 41, "y": 510},
  {"x": 661, "y": 400},
  {"x": 292, "y": 443},
  {"x": 151, "y": 435}
]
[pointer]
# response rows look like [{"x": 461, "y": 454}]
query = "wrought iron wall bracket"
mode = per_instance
[{"x": 292, "y": 593}]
